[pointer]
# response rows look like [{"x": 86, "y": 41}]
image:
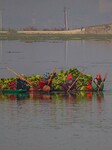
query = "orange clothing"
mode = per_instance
[{"x": 89, "y": 86}]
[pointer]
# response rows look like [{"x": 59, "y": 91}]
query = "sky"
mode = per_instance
[{"x": 49, "y": 14}]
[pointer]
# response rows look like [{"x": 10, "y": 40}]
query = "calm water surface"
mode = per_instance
[{"x": 57, "y": 121}]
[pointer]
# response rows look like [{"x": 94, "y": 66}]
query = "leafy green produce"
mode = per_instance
[{"x": 57, "y": 82}]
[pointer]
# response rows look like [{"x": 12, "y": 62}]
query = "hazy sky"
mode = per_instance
[{"x": 50, "y": 13}]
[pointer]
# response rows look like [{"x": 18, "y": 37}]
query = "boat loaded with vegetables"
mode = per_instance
[{"x": 63, "y": 80}]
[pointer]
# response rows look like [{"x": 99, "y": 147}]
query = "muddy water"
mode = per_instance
[{"x": 58, "y": 121}]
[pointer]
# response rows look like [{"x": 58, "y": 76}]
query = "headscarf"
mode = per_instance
[
  {"x": 46, "y": 75},
  {"x": 98, "y": 76},
  {"x": 69, "y": 76}
]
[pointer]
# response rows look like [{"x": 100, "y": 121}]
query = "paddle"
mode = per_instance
[
  {"x": 103, "y": 80},
  {"x": 74, "y": 81},
  {"x": 20, "y": 76},
  {"x": 49, "y": 80}
]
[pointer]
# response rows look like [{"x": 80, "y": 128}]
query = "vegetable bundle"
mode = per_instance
[{"x": 57, "y": 81}]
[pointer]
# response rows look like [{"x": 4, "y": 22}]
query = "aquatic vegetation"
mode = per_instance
[{"x": 44, "y": 37}]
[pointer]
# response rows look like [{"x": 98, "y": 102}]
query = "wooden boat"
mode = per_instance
[
  {"x": 17, "y": 91},
  {"x": 80, "y": 79},
  {"x": 94, "y": 88},
  {"x": 8, "y": 91}
]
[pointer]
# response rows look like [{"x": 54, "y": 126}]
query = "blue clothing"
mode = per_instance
[{"x": 21, "y": 84}]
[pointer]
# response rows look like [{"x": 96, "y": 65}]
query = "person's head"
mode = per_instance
[
  {"x": 69, "y": 76},
  {"x": 98, "y": 76},
  {"x": 46, "y": 75}
]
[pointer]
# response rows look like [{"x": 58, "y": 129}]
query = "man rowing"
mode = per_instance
[
  {"x": 70, "y": 83},
  {"x": 46, "y": 83},
  {"x": 99, "y": 82},
  {"x": 21, "y": 83}
]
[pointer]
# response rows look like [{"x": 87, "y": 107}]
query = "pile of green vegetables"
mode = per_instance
[
  {"x": 61, "y": 77},
  {"x": 82, "y": 79}
]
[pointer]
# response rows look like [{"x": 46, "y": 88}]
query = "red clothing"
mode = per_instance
[{"x": 41, "y": 84}]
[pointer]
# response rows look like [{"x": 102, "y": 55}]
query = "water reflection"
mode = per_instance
[
  {"x": 68, "y": 98},
  {"x": 58, "y": 117},
  {"x": 53, "y": 110}
]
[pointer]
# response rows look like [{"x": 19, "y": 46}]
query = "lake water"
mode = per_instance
[{"x": 58, "y": 121}]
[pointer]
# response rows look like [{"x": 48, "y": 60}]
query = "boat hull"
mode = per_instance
[{"x": 7, "y": 91}]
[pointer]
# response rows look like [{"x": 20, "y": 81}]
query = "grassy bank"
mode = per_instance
[{"x": 44, "y": 37}]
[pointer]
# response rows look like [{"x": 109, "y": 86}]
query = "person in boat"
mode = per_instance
[
  {"x": 46, "y": 83},
  {"x": 21, "y": 82},
  {"x": 98, "y": 82},
  {"x": 42, "y": 82},
  {"x": 70, "y": 83}
]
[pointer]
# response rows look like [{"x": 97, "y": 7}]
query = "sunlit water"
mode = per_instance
[{"x": 58, "y": 121}]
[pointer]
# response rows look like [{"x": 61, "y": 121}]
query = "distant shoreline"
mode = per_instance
[
  {"x": 76, "y": 31},
  {"x": 98, "y": 32},
  {"x": 96, "y": 29}
]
